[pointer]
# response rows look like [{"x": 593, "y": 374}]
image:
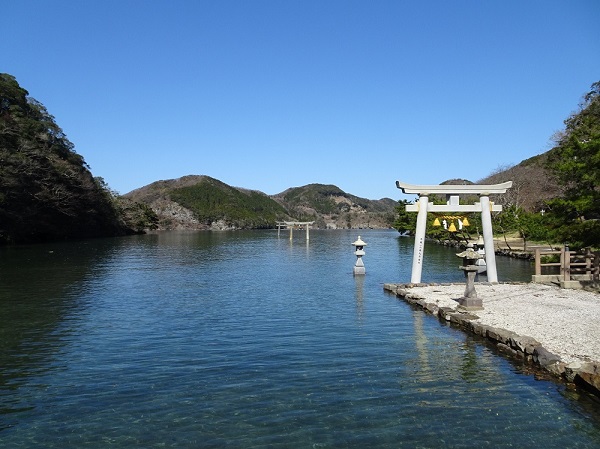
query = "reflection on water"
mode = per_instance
[
  {"x": 359, "y": 281},
  {"x": 40, "y": 305},
  {"x": 244, "y": 339}
]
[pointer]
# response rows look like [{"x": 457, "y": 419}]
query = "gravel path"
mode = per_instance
[{"x": 566, "y": 322}]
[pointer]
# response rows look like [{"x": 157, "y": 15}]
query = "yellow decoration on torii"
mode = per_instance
[{"x": 452, "y": 227}]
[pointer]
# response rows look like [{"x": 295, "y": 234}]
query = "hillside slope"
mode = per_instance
[
  {"x": 202, "y": 202},
  {"x": 331, "y": 207},
  {"x": 47, "y": 191},
  {"x": 533, "y": 183}
]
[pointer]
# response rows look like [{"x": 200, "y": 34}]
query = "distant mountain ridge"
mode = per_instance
[
  {"x": 202, "y": 202},
  {"x": 47, "y": 191}
]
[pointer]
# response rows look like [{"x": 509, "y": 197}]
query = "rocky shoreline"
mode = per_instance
[{"x": 553, "y": 329}]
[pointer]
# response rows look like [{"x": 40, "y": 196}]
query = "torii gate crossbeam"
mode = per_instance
[
  {"x": 485, "y": 207},
  {"x": 291, "y": 224}
]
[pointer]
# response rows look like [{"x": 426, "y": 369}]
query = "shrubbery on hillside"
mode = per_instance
[
  {"x": 211, "y": 200},
  {"x": 46, "y": 189}
]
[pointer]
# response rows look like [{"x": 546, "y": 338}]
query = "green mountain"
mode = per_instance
[
  {"x": 47, "y": 191},
  {"x": 202, "y": 202},
  {"x": 331, "y": 207}
]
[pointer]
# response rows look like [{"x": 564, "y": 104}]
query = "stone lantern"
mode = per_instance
[
  {"x": 470, "y": 301},
  {"x": 359, "y": 266}
]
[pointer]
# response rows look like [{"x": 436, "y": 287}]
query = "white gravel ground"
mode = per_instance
[{"x": 566, "y": 322}]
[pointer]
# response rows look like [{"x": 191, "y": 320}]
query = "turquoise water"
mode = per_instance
[{"x": 244, "y": 339}]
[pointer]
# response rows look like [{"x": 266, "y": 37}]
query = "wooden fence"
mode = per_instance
[{"x": 571, "y": 266}]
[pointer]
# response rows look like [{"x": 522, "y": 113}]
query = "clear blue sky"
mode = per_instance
[{"x": 271, "y": 94}]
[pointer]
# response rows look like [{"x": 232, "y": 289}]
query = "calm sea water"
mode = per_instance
[{"x": 245, "y": 339}]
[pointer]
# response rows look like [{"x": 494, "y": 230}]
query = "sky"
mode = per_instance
[{"x": 273, "y": 94}]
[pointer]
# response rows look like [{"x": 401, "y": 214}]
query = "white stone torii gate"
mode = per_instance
[
  {"x": 291, "y": 224},
  {"x": 452, "y": 193}
]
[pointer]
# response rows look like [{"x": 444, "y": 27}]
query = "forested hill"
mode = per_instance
[
  {"x": 555, "y": 196},
  {"x": 47, "y": 191},
  {"x": 561, "y": 186},
  {"x": 202, "y": 202},
  {"x": 331, "y": 207}
]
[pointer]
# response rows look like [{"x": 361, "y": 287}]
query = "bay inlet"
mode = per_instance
[{"x": 250, "y": 340}]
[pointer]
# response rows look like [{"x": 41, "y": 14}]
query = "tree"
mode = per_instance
[
  {"x": 405, "y": 221},
  {"x": 576, "y": 162},
  {"x": 528, "y": 225},
  {"x": 47, "y": 190},
  {"x": 138, "y": 216}
]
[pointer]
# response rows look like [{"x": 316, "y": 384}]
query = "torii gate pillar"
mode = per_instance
[
  {"x": 485, "y": 207},
  {"x": 488, "y": 238},
  {"x": 417, "y": 266}
]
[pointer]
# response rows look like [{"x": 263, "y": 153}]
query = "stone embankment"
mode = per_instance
[{"x": 555, "y": 329}]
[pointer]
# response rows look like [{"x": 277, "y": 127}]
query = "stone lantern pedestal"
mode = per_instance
[
  {"x": 359, "y": 266},
  {"x": 470, "y": 301}
]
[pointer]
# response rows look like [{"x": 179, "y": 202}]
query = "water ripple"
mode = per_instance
[{"x": 245, "y": 340}]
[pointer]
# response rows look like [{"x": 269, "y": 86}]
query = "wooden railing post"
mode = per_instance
[
  {"x": 588, "y": 262},
  {"x": 538, "y": 262},
  {"x": 566, "y": 266}
]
